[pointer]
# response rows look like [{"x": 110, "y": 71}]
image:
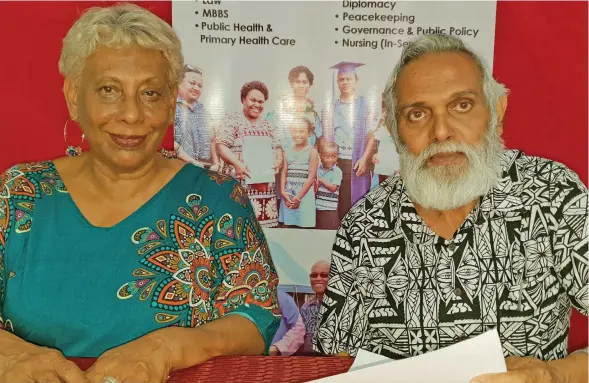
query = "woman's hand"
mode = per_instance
[
  {"x": 361, "y": 166},
  {"x": 215, "y": 167},
  {"x": 375, "y": 159},
  {"x": 144, "y": 360},
  {"x": 277, "y": 167},
  {"x": 28, "y": 363},
  {"x": 241, "y": 171}
]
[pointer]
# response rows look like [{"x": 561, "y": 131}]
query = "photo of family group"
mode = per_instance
[{"x": 302, "y": 166}]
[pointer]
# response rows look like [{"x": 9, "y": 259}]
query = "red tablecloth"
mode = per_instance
[{"x": 256, "y": 369}]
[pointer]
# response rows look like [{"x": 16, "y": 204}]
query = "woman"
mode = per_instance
[
  {"x": 147, "y": 263},
  {"x": 290, "y": 106},
  {"x": 293, "y": 105},
  {"x": 247, "y": 131}
]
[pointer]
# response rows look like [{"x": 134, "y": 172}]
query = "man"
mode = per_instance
[
  {"x": 318, "y": 278},
  {"x": 347, "y": 124},
  {"x": 467, "y": 238},
  {"x": 291, "y": 333},
  {"x": 192, "y": 133}
]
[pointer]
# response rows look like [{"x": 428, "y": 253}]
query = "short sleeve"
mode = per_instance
[
  {"x": 342, "y": 318},
  {"x": 8, "y": 179},
  {"x": 244, "y": 277},
  {"x": 337, "y": 176},
  {"x": 226, "y": 132},
  {"x": 274, "y": 134},
  {"x": 571, "y": 235},
  {"x": 4, "y": 229}
]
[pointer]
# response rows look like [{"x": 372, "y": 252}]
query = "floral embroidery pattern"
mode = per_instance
[
  {"x": 18, "y": 192},
  {"x": 239, "y": 195},
  {"x": 219, "y": 178},
  {"x": 188, "y": 279},
  {"x": 272, "y": 209}
]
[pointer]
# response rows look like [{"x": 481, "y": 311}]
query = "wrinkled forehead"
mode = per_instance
[
  {"x": 436, "y": 76},
  {"x": 132, "y": 63}
]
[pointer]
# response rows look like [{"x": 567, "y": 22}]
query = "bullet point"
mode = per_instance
[
  {"x": 196, "y": 12},
  {"x": 336, "y": 16},
  {"x": 196, "y": 25},
  {"x": 336, "y": 29},
  {"x": 336, "y": 42}
]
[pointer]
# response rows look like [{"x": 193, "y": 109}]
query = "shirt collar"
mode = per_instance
[
  {"x": 356, "y": 99},
  {"x": 197, "y": 104},
  {"x": 326, "y": 170}
]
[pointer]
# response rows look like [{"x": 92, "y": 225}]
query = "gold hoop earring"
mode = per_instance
[{"x": 71, "y": 150}]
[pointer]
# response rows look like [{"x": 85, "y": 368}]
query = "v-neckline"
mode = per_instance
[{"x": 133, "y": 214}]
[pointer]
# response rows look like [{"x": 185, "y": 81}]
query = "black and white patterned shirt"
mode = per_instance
[{"x": 516, "y": 264}]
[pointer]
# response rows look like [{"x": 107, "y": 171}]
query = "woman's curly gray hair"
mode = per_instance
[{"x": 120, "y": 26}]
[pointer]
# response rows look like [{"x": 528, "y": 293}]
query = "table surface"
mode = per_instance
[{"x": 256, "y": 369}]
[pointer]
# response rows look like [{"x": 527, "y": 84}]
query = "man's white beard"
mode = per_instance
[{"x": 452, "y": 186}]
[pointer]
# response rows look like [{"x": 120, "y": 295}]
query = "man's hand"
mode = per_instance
[{"x": 524, "y": 370}]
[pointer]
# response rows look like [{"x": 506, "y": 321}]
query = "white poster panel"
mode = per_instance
[{"x": 307, "y": 76}]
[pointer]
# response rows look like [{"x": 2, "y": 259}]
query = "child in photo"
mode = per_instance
[
  {"x": 329, "y": 179},
  {"x": 299, "y": 171}
]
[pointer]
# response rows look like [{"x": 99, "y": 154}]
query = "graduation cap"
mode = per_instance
[
  {"x": 346, "y": 67},
  {"x": 342, "y": 67}
]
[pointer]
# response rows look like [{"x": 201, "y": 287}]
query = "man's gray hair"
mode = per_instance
[{"x": 439, "y": 43}]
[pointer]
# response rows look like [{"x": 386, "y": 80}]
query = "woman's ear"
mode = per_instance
[{"x": 70, "y": 91}]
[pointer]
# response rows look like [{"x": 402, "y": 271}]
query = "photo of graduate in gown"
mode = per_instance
[{"x": 347, "y": 123}]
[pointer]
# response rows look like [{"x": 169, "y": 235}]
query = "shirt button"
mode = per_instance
[
  {"x": 458, "y": 291},
  {"x": 452, "y": 247}
]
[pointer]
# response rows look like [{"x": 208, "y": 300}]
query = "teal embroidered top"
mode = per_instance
[{"x": 193, "y": 253}]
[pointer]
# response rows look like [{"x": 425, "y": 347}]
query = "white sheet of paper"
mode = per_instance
[
  {"x": 258, "y": 156},
  {"x": 388, "y": 159},
  {"x": 366, "y": 359},
  {"x": 458, "y": 363}
]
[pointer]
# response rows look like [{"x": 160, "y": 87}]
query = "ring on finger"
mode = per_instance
[{"x": 110, "y": 379}]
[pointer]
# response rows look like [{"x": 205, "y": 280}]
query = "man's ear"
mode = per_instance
[
  {"x": 70, "y": 91},
  {"x": 501, "y": 107}
]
